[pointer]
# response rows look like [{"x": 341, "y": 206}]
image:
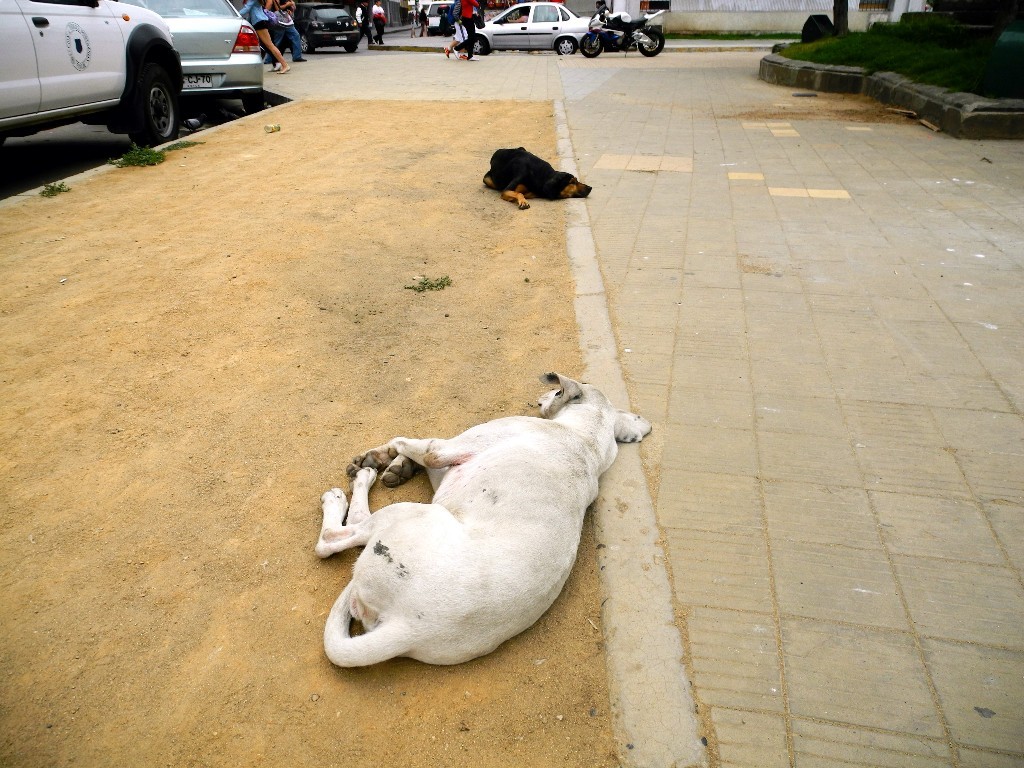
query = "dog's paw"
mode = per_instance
[
  {"x": 333, "y": 496},
  {"x": 523, "y": 205},
  {"x": 377, "y": 459},
  {"x": 398, "y": 471}
]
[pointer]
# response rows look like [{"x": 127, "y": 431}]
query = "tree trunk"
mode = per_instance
[{"x": 841, "y": 16}]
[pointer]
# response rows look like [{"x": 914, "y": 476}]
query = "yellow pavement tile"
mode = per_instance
[
  {"x": 740, "y": 176},
  {"x": 787, "y": 192},
  {"x": 613, "y": 162},
  {"x": 784, "y": 132},
  {"x": 858, "y": 128},
  {"x": 831, "y": 194}
]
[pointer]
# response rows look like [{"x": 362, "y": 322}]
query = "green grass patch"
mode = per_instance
[
  {"x": 139, "y": 157},
  {"x": 426, "y": 284},
  {"x": 54, "y": 189},
  {"x": 933, "y": 50},
  {"x": 182, "y": 145}
]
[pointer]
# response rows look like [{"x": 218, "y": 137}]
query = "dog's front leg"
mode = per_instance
[{"x": 516, "y": 196}]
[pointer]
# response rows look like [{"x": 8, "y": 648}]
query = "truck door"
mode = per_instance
[
  {"x": 80, "y": 50},
  {"x": 19, "y": 78}
]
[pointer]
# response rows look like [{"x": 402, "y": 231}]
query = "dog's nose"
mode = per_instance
[{"x": 584, "y": 190}]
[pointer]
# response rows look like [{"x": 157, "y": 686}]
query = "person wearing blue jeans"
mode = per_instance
[{"x": 286, "y": 28}]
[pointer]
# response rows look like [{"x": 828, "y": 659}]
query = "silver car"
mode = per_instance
[
  {"x": 533, "y": 27},
  {"x": 220, "y": 53}
]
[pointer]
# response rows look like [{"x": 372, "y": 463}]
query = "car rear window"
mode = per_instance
[
  {"x": 331, "y": 14},
  {"x": 176, "y": 9}
]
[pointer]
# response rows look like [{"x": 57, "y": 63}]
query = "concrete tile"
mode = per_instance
[
  {"x": 835, "y": 583},
  {"x": 974, "y": 758},
  {"x": 700, "y": 406},
  {"x": 858, "y": 676},
  {"x": 807, "y": 458},
  {"x": 724, "y": 372},
  {"x": 1008, "y": 524},
  {"x": 716, "y": 569},
  {"x": 734, "y": 659},
  {"x": 785, "y": 377},
  {"x": 709, "y": 502},
  {"x": 931, "y": 526},
  {"x": 778, "y": 412},
  {"x": 982, "y": 693},
  {"x": 750, "y": 739},
  {"x": 648, "y": 368},
  {"x": 819, "y": 514},
  {"x": 963, "y": 601},
  {"x": 713, "y": 449},
  {"x": 741, "y": 176},
  {"x": 824, "y": 745}
]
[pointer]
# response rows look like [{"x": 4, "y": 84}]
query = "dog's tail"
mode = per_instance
[{"x": 390, "y": 638}]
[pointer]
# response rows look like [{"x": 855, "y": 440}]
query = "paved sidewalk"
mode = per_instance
[{"x": 825, "y": 322}]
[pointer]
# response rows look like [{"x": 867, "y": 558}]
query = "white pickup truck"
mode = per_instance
[{"x": 94, "y": 61}]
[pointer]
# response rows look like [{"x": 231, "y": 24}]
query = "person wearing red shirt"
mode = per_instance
[{"x": 469, "y": 10}]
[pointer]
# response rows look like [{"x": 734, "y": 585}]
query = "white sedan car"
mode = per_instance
[{"x": 533, "y": 27}]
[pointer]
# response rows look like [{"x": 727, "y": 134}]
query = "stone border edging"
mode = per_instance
[
  {"x": 654, "y": 720},
  {"x": 961, "y": 115}
]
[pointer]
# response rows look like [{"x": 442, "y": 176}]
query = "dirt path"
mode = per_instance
[{"x": 191, "y": 354}]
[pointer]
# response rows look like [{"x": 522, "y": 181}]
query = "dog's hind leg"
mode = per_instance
[
  {"x": 337, "y": 533},
  {"x": 394, "y": 468}
]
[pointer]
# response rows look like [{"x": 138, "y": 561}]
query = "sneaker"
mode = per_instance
[
  {"x": 447, "y": 51},
  {"x": 294, "y": 60},
  {"x": 277, "y": 67},
  {"x": 463, "y": 57}
]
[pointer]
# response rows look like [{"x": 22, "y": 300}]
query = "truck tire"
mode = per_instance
[{"x": 156, "y": 103}]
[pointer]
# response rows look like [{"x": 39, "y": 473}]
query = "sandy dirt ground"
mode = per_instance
[{"x": 191, "y": 354}]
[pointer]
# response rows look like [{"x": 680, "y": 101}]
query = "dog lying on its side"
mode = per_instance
[
  {"x": 449, "y": 581},
  {"x": 521, "y": 175}
]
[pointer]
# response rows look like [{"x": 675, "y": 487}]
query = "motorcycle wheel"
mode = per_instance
[
  {"x": 591, "y": 45},
  {"x": 655, "y": 46}
]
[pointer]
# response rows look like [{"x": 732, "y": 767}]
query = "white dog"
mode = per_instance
[{"x": 449, "y": 581}]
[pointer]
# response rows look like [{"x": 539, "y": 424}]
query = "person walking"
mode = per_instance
[
  {"x": 468, "y": 19},
  {"x": 285, "y": 28},
  {"x": 379, "y": 20},
  {"x": 363, "y": 22},
  {"x": 255, "y": 12},
  {"x": 423, "y": 21}
]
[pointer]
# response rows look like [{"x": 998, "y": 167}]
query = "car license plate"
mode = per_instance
[
  {"x": 339, "y": 39},
  {"x": 198, "y": 81}
]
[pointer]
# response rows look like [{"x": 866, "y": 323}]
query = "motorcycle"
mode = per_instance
[{"x": 618, "y": 32}]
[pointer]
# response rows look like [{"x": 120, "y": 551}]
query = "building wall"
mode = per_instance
[{"x": 757, "y": 15}]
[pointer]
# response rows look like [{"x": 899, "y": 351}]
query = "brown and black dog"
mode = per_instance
[{"x": 520, "y": 175}]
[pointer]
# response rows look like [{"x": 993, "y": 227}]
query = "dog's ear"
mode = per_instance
[
  {"x": 630, "y": 428},
  {"x": 568, "y": 388}
]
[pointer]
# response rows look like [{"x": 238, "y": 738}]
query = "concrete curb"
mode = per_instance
[
  {"x": 961, "y": 115},
  {"x": 653, "y": 712}
]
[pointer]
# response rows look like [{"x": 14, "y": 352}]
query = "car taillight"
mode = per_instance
[{"x": 247, "y": 41}]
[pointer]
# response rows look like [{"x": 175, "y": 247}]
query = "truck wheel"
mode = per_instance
[{"x": 156, "y": 103}]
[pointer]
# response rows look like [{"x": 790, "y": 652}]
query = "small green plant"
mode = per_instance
[
  {"x": 426, "y": 284},
  {"x": 182, "y": 145},
  {"x": 139, "y": 156},
  {"x": 52, "y": 190}
]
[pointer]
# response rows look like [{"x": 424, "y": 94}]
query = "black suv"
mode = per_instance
[{"x": 322, "y": 25}]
